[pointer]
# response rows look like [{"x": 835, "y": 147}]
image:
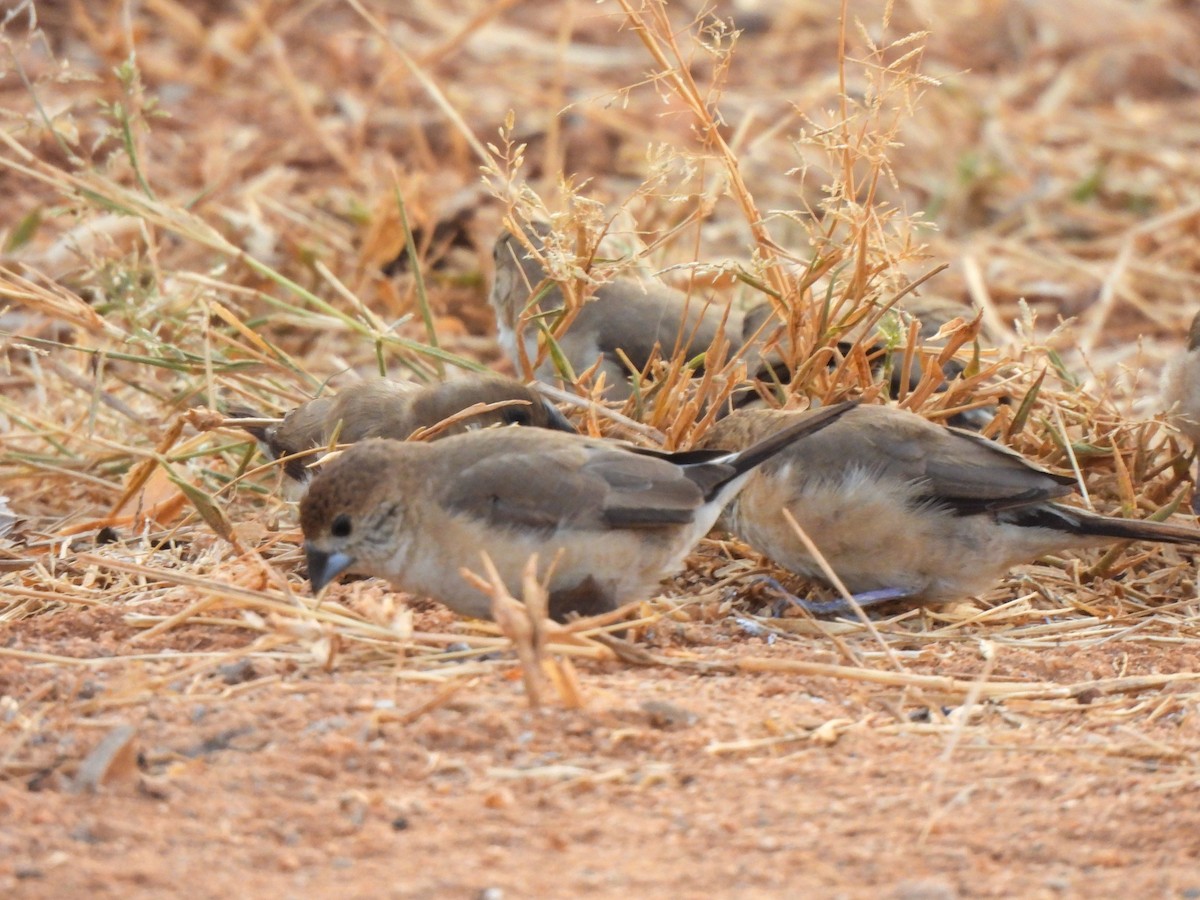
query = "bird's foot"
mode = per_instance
[{"x": 838, "y": 606}]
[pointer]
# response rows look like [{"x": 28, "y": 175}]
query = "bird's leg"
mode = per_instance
[{"x": 834, "y": 607}]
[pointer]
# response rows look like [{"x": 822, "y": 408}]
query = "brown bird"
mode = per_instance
[
  {"x": 607, "y": 520},
  {"x": 1181, "y": 386},
  {"x": 762, "y": 326},
  {"x": 392, "y": 409},
  {"x": 1181, "y": 392},
  {"x": 902, "y": 508},
  {"x": 625, "y": 319}
]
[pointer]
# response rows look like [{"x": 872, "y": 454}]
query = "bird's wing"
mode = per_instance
[
  {"x": 584, "y": 486},
  {"x": 378, "y": 407},
  {"x": 973, "y": 474},
  {"x": 949, "y": 467},
  {"x": 635, "y": 318}
]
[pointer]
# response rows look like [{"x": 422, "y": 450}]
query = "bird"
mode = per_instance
[
  {"x": 904, "y": 509},
  {"x": 1181, "y": 386},
  {"x": 764, "y": 327},
  {"x": 391, "y": 409},
  {"x": 607, "y": 520},
  {"x": 619, "y": 326},
  {"x": 1180, "y": 392}
]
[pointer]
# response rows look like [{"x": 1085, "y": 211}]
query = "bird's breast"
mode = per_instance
[{"x": 506, "y": 337}]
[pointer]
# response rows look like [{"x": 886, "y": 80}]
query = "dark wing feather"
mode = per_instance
[
  {"x": 952, "y": 468},
  {"x": 634, "y": 317},
  {"x": 583, "y": 486},
  {"x": 974, "y": 474},
  {"x": 643, "y": 491}
]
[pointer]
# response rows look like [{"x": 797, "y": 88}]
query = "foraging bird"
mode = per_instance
[
  {"x": 1181, "y": 393},
  {"x": 763, "y": 327},
  {"x": 625, "y": 319},
  {"x": 392, "y": 409},
  {"x": 902, "y": 508},
  {"x": 1181, "y": 386},
  {"x": 607, "y": 520}
]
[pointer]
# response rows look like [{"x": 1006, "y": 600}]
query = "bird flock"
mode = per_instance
[{"x": 898, "y": 507}]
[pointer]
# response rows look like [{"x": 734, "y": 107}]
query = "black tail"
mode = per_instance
[
  {"x": 712, "y": 470},
  {"x": 1069, "y": 520},
  {"x": 258, "y": 432},
  {"x": 555, "y": 420},
  {"x": 294, "y": 468},
  {"x": 812, "y": 422}
]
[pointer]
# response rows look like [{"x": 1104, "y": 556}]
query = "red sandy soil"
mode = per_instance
[{"x": 270, "y": 777}]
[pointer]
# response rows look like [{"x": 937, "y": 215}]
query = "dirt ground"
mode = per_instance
[
  {"x": 267, "y": 778},
  {"x": 172, "y": 723}
]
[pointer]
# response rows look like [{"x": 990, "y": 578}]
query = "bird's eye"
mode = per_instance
[
  {"x": 341, "y": 526},
  {"x": 516, "y": 415}
]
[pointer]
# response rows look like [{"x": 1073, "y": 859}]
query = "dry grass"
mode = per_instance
[
  {"x": 139, "y": 292},
  {"x": 250, "y": 207}
]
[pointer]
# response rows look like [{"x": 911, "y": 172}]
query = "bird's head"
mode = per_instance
[{"x": 353, "y": 514}]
